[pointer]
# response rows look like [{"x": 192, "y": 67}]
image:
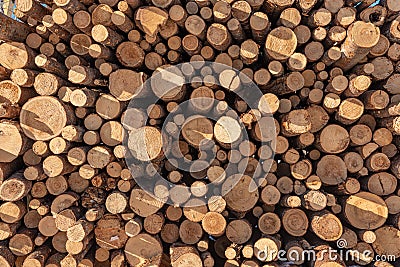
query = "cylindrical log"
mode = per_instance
[
  {"x": 37, "y": 257},
  {"x": 116, "y": 203},
  {"x": 83, "y": 75},
  {"x": 127, "y": 84},
  {"x": 49, "y": 23},
  {"x": 358, "y": 85},
  {"x": 23, "y": 77},
  {"x": 333, "y": 139},
  {"x": 361, "y": 38},
  {"x": 218, "y": 36},
  {"x": 12, "y": 212},
  {"x": 12, "y": 30},
  {"x": 122, "y": 21},
  {"x": 17, "y": 56},
  {"x": 72, "y": 6},
  {"x": 180, "y": 254},
  {"x": 48, "y": 83},
  {"x": 51, "y": 65},
  {"x": 281, "y": 43},
  {"x": 32, "y": 8},
  {"x": 326, "y": 226},
  {"x": 375, "y": 99},
  {"x": 320, "y": 18},
  {"x": 80, "y": 44},
  {"x": 82, "y": 20},
  {"x": 13, "y": 143},
  {"x": 106, "y": 36},
  {"x": 287, "y": 84},
  {"x": 296, "y": 122},
  {"x": 107, "y": 227},
  {"x": 350, "y": 110},
  {"x": 34, "y": 120},
  {"x": 365, "y": 218},
  {"x": 64, "y": 19},
  {"x": 325, "y": 167},
  {"x": 56, "y": 165},
  {"x": 22, "y": 244},
  {"x": 295, "y": 222},
  {"x": 15, "y": 187}
]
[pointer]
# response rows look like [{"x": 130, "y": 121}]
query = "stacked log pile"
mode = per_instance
[{"x": 329, "y": 73}]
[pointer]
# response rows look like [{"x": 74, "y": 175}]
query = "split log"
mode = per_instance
[{"x": 150, "y": 26}]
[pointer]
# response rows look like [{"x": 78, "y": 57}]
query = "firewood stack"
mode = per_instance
[{"x": 329, "y": 73}]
